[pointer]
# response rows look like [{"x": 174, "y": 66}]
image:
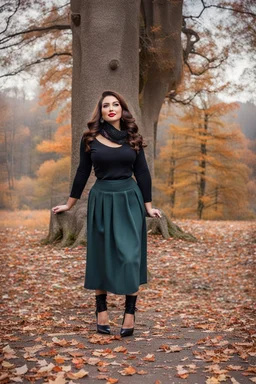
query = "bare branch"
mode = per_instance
[
  {"x": 9, "y": 18},
  {"x": 22, "y": 43},
  {"x": 57, "y": 8},
  {"x": 187, "y": 101},
  {"x": 235, "y": 10},
  {"x": 204, "y": 57},
  {"x": 206, "y": 67},
  {"x": 39, "y": 61},
  {"x": 39, "y": 29},
  {"x": 190, "y": 33},
  {"x": 232, "y": 9}
]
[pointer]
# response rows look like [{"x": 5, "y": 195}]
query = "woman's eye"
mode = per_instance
[{"x": 106, "y": 105}]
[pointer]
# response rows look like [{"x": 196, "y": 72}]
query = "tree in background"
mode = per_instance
[
  {"x": 7, "y": 139},
  {"x": 201, "y": 169},
  {"x": 52, "y": 181},
  {"x": 23, "y": 126},
  {"x": 53, "y": 176}
]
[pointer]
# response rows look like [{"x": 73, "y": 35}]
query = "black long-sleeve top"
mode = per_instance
[{"x": 112, "y": 163}]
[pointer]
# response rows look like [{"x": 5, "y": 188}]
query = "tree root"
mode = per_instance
[
  {"x": 165, "y": 227},
  {"x": 68, "y": 229}
]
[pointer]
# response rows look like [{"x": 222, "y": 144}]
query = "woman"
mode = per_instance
[{"x": 117, "y": 206}]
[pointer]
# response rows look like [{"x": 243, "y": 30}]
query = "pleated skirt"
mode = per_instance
[{"x": 116, "y": 259}]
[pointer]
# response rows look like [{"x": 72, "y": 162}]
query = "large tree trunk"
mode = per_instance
[
  {"x": 107, "y": 37},
  {"x": 160, "y": 65},
  {"x": 108, "y": 54}
]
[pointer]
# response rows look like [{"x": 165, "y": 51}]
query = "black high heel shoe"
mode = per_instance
[
  {"x": 101, "y": 306},
  {"x": 130, "y": 308}
]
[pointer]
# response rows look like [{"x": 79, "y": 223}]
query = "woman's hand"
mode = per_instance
[
  {"x": 60, "y": 208},
  {"x": 153, "y": 212}
]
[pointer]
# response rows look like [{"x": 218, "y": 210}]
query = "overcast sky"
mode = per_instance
[{"x": 29, "y": 84}]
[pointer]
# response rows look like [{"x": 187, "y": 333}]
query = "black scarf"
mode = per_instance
[{"x": 113, "y": 134}]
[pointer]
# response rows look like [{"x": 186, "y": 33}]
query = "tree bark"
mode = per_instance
[
  {"x": 162, "y": 68},
  {"x": 105, "y": 33},
  {"x": 202, "y": 163}
]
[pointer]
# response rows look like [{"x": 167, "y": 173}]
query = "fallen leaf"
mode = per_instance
[
  {"x": 8, "y": 349},
  {"x": 6, "y": 364},
  {"x": 120, "y": 349},
  {"x": 66, "y": 368},
  {"x": 115, "y": 363},
  {"x": 47, "y": 368},
  {"x": 21, "y": 370},
  {"x": 111, "y": 380},
  {"x": 235, "y": 367},
  {"x": 215, "y": 368},
  {"x": 59, "y": 359},
  {"x": 33, "y": 350},
  {"x": 212, "y": 380},
  {"x": 76, "y": 353},
  {"x": 149, "y": 357},
  {"x": 129, "y": 371},
  {"x": 62, "y": 342},
  {"x": 169, "y": 348},
  {"x": 103, "y": 369},
  {"x": 42, "y": 363},
  {"x": 77, "y": 375},
  {"x": 181, "y": 372},
  {"x": 58, "y": 380},
  {"x": 93, "y": 361},
  {"x": 134, "y": 353},
  {"x": 142, "y": 372},
  {"x": 110, "y": 356}
]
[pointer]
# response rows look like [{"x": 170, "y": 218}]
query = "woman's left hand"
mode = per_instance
[{"x": 153, "y": 212}]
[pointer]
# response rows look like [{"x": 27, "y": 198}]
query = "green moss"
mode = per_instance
[{"x": 71, "y": 237}]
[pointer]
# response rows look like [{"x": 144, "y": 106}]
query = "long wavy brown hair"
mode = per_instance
[{"x": 127, "y": 123}]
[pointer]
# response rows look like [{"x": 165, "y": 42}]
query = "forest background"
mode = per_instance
[{"x": 205, "y": 158}]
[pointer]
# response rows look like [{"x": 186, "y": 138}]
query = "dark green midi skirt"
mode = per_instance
[{"x": 116, "y": 237}]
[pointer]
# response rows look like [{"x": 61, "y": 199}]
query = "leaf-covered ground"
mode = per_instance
[{"x": 195, "y": 321}]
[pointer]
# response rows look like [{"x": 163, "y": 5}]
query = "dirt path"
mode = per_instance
[{"x": 195, "y": 322}]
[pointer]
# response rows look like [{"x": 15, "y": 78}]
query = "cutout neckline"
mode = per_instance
[{"x": 109, "y": 146}]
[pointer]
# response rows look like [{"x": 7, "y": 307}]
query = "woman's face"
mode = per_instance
[{"x": 111, "y": 109}]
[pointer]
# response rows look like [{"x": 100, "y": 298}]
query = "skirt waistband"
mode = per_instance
[{"x": 115, "y": 185}]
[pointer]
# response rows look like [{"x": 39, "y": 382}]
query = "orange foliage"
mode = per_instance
[
  {"x": 200, "y": 169},
  {"x": 38, "y": 219},
  {"x": 60, "y": 144}
]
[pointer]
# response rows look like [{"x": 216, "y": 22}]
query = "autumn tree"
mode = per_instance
[
  {"x": 200, "y": 168},
  {"x": 23, "y": 126},
  {"x": 14, "y": 140},
  {"x": 7, "y": 140},
  {"x": 53, "y": 176}
]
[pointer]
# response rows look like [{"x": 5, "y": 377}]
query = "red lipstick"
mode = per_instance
[{"x": 111, "y": 114}]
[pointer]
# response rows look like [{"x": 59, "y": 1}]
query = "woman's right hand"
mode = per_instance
[{"x": 60, "y": 208}]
